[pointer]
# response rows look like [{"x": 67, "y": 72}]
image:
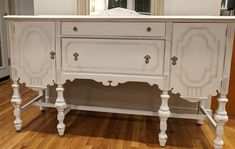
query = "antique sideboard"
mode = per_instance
[{"x": 186, "y": 55}]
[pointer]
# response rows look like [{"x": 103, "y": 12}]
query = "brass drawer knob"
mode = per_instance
[
  {"x": 174, "y": 59},
  {"x": 75, "y": 55},
  {"x": 52, "y": 53},
  {"x": 147, "y": 58},
  {"x": 149, "y": 29},
  {"x": 75, "y": 28}
]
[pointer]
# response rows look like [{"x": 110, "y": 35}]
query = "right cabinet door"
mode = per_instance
[{"x": 197, "y": 59}]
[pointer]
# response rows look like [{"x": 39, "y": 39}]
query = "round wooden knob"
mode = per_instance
[
  {"x": 75, "y": 28},
  {"x": 149, "y": 29}
]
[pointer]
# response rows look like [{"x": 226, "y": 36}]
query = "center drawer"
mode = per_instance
[
  {"x": 113, "y": 56},
  {"x": 113, "y": 28}
]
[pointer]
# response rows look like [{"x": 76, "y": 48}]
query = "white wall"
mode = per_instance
[
  {"x": 192, "y": 7},
  {"x": 55, "y": 7}
]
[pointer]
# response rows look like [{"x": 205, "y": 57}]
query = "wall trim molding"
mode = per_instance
[
  {"x": 157, "y": 7},
  {"x": 83, "y": 7}
]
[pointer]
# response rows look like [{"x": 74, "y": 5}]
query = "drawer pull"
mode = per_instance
[
  {"x": 76, "y": 56},
  {"x": 149, "y": 29},
  {"x": 147, "y": 58},
  {"x": 52, "y": 53},
  {"x": 75, "y": 28},
  {"x": 174, "y": 59}
]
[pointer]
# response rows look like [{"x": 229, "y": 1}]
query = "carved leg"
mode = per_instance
[
  {"x": 163, "y": 113},
  {"x": 221, "y": 118},
  {"x": 40, "y": 92},
  {"x": 16, "y": 101},
  {"x": 60, "y": 105}
]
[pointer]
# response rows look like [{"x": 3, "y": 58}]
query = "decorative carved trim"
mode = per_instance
[
  {"x": 208, "y": 57},
  {"x": 156, "y": 8},
  {"x": 119, "y": 12},
  {"x": 212, "y": 44},
  {"x": 77, "y": 66},
  {"x": 25, "y": 52},
  {"x": 25, "y": 65}
]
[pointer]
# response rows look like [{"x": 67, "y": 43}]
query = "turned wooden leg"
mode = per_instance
[
  {"x": 40, "y": 93},
  {"x": 163, "y": 113},
  {"x": 60, "y": 105},
  {"x": 16, "y": 101},
  {"x": 221, "y": 118}
]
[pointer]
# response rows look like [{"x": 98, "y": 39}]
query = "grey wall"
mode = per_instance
[{"x": 21, "y": 7}]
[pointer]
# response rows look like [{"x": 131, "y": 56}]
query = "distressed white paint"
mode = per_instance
[
  {"x": 102, "y": 58},
  {"x": 129, "y": 18},
  {"x": 221, "y": 118},
  {"x": 60, "y": 105},
  {"x": 164, "y": 113},
  {"x": 113, "y": 56},
  {"x": 16, "y": 102},
  {"x": 34, "y": 42},
  {"x": 114, "y": 29},
  {"x": 200, "y": 51}
]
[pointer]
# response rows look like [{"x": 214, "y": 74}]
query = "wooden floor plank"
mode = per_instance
[{"x": 92, "y": 130}]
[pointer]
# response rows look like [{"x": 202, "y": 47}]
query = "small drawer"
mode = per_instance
[
  {"x": 113, "y": 56},
  {"x": 113, "y": 28}
]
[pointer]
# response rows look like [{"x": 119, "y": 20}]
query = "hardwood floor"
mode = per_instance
[{"x": 91, "y": 130}]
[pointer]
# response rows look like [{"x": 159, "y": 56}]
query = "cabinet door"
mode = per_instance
[
  {"x": 198, "y": 50},
  {"x": 34, "y": 41}
]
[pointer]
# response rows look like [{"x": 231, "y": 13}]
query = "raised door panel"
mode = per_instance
[
  {"x": 113, "y": 56},
  {"x": 199, "y": 49},
  {"x": 33, "y": 44}
]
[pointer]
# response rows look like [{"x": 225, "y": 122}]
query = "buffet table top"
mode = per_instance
[{"x": 124, "y": 18}]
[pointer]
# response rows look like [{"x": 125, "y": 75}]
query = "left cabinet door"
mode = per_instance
[{"x": 33, "y": 53}]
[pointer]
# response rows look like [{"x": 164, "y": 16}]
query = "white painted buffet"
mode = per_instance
[{"x": 186, "y": 55}]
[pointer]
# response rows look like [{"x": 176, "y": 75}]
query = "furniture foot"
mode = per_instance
[
  {"x": 221, "y": 118},
  {"x": 16, "y": 101},
  {"x": 60, "y": 105},
  {"x": 40, "y": 92},
  {"x": 163, "y": 113},
  {"x": 200, "y": 122}
]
